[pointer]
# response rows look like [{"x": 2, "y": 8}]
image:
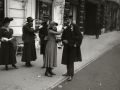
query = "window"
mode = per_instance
[
  {"x": 73, "y": 12},
  {"x": 1, "y": 10},
  {"x": 43, "y": 8}
]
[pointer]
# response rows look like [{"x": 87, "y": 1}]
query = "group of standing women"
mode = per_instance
[{"x": 71, "y": 38}]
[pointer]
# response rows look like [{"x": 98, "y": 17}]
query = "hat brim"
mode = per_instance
[
  {"x": 30, "y": 20},
  {"x": 10, "y": 19},
  {"x": 56, "y": 24},
  {"x": 5, "y": 20}
]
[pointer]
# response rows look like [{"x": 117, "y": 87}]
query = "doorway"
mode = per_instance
[{"x": 90, "y": 18}]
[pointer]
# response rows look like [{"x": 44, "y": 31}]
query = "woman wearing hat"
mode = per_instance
[
  {"x": 7, "y": 52},
  {"x": 28, "y": 37},
  {"x": 51, "y": 49}
]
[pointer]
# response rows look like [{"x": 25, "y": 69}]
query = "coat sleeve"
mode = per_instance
[
  {"x": 30, "y": 30},
  {"x": 63, "y": 37},
  {"x": 78, "y": 36}
]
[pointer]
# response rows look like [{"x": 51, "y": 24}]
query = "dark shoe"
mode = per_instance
[
  {"x": 69, "y": 78},
  {"x": 14, "y": 66},
  {"x": 47, "y": 74},
  {"x": 65, "y": 74},
  {"x": 6, "y": 67},
  {"x": 43, "y": 67},
  {"x": 29, "y": 64},
  {"x": 26, "y": 64},
  {"x": 50, "y": 71},
  {"x": 97, "y": 36}
]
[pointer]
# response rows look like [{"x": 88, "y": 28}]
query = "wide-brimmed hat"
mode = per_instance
[
  {"x": 52, "y": 23},
  {"x": 6, "y": 20},
  {"x": 30, "y": 19}
]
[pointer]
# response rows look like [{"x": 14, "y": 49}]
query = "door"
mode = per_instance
[{"x": 90, "y": 18}]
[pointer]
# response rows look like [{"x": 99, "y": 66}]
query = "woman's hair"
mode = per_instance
[{"x": 54, "y": 28}]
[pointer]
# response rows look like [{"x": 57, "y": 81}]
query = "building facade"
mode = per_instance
[
  {"x": 84, "y": 12},
  {"x": 21, "y": 9}
]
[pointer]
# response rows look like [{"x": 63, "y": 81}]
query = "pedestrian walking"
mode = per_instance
[
  {"x": 72, "y": 39},
  {"x": 28, "y": 37},
  {"x": 7, "y": 52},
  {"x": 98, "y": 28},
  {"x": 51, "y": 49},
  {"x": 43, "y": 32}
]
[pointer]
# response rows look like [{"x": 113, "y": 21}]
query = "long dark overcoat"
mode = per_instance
[
  {"x": 43, "y": 32},
  {"x": 98, "y": 28},
  {"x": 29, "y": 50},
  {"x": 7, "y": 51},
  {"x": 70, "y": 53}
]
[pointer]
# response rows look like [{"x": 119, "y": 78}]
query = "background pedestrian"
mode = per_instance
[{"x": 98, "y": 28}]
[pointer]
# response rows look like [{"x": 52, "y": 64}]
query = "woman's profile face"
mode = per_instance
[
  {"x": 54, "y": 28},
  {"x": 7, "y": 24},
  {"x": 31, "y": 24}
]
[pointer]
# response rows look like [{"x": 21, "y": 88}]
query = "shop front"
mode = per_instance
[
  {"x": 114, "y": 15},
  {"x": 94, "y": 9}
]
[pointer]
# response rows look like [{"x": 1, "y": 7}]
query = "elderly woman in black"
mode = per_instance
[{"x": 7, "y": 52}]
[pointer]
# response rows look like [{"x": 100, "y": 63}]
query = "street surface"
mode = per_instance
[
  {"x": 102, "y": 74},
  {"x": 33, "y": 78}
]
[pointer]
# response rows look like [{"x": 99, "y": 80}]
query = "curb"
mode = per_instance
[{"x": 51, "y": 87}]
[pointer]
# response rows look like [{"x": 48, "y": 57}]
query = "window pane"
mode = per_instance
[
  {"x": 43, "y": 8},
  {"x": 1, "y": 10}
]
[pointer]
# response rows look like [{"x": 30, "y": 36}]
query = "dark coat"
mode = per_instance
[
  {"x": 7, "y": 52},
  {"x": 73, "y": 36},
  {"x": 43, "y": 32},
  {"x": 28, "y": 33},
  {"x": 29, "y": 50},
  {"x": 98, "y": 28}
]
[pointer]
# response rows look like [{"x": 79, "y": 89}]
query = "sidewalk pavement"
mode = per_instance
[{"x": 33, "y": 78}]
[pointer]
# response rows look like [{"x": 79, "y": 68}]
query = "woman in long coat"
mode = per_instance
[
  {"x": 51, "y": 49},
  {"x": 28, "y": 37},
  {"x": 7, "y": 52}
]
